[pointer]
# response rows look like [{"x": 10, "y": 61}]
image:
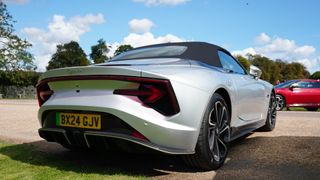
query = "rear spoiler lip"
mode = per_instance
[{"x": 98, "y": 77}]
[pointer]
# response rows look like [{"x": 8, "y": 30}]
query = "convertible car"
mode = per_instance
[{"x": 190, "y": 99}]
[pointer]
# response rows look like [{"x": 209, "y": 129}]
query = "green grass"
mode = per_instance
[
  {"x": 297, "y": 109},
  {"x": 24, "y": 161}
]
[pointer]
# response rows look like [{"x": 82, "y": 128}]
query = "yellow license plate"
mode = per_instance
[{"x": 88, "y": 121}]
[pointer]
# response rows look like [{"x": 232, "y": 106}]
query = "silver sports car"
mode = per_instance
[{"x": 190, "y": 98}]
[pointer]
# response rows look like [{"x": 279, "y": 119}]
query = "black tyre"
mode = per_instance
[
  {"x": 281, "y": 102},
  {"x": 312, "y": 109},
  {"x": 272, "y": 114},
  {"x": 213, "y": 141}
]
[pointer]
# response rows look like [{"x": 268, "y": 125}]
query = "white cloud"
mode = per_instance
[
  {"x": 279, "y": 48},
  {"x": 60, "y": 30},
  {"x": 284, "y": 49},
  {"x": 16, "y": 1},
  {"x": 312, "y": 65},
  {"x": 263, "y": 38},
  {"x": 148, "y": 38},
  {"x": 140, "y": 25},
  {"x": 245, "y": 52},
  {"x": 137, "y": 40},
  {"x": 42, "y": 61},
  {"x": 304, "y": 51},
  {"x": 112, "y": 48},
  {"x": 141, "y": 36},
  {"x": 161, "y": 2}
]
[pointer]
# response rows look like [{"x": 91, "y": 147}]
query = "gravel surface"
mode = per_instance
[
  {"x": 291, "y": 151},
  {"x": 18, "y": 120}
]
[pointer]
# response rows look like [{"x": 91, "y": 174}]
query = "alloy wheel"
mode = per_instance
[
  {"x": 280, "y": 103},
  {"x": 273, "y": 107},
  {"x": 218, "y": 131}
]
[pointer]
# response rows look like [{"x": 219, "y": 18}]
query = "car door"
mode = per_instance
[
  {"x": 316, "y": 93},
  {"x": 251, "y": 102},
  {"x": 301, "y": 93},
  {"x": 305, "y": 93}
]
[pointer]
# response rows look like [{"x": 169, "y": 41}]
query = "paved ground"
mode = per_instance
[
  {"x": 291, "y": 151},
  {"x": 18, "y": 120}
]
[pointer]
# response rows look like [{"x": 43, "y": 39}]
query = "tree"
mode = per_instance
[
  {"x": 122, "y": 48},
  {"x": 13, "y": 50},
  {"x": 67, "y": 55},
  {"x": 245, "y": 62},
  {"x": 295, "y": 71},
  {"x": 19, "y": 78},
  {"x": 273, "y": 71},
  {"x": 315, "y": 75},
  {"x": 99, "y": 52},
  {"x": 270, "y": 70}
]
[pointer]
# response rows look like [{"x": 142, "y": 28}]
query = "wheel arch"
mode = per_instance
[{"x": 224, "y": 93}]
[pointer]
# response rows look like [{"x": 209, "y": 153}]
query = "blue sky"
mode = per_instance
[{"x": 285, "y": 29}]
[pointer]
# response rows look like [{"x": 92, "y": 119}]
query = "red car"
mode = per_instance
[{"x": 299, "y": 93}]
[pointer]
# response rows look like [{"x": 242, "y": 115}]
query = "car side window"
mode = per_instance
[
  {"x": 229, "y": 63},
  {"x": 304, "y": 84},
  {"x": 314, "y": 84}
]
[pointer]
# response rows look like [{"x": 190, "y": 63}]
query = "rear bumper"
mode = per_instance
[
  {"x": 89, "y": 139},
  {"x": 165, "y": 134},
  {"x": 176, "y": 134}
]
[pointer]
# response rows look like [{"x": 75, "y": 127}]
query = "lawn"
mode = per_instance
[
  {"x": 297, "y": 109},
  {"x": 23, "y": 161}
]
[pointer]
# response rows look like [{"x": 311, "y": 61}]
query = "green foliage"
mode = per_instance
[
  {"x": 122, "y": 48},
  {"x": 315, "y": 75},
  {"x": 272, "y": 71},
  {"x": 13, "y": 50},
  {"x": 67, "y": 55},
  {"x": 245, "y": 62},
  {"x": 99, "y": 52},
  {"x": 19, "y": 78},
  {"x": 295, "y": 71}
]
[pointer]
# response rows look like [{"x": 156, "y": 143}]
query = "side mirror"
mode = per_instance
[
  {"x": 255, "y": 72},
  {"x": 294, "y": 85}
]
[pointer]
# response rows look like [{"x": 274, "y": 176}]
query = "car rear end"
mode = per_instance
[{"x": 108, "y": 106}]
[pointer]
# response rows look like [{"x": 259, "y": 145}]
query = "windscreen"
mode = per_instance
[{"x": 151, "y": 52}]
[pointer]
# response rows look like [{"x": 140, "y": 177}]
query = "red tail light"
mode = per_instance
[
  {"x": 43, "y": 93},
  {"x": 154, "y": 93},
  {"x": 149, "y": 93}
]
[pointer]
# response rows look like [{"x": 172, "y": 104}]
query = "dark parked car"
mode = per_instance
[{"x": 299, "y": 93}]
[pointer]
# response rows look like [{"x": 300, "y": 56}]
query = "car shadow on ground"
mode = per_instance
[
  {"x": 42, "y": 153},
  {"x": 249, "y": 158}
]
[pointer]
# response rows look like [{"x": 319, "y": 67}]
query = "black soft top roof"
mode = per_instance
[{"x": 199, "y": 51}]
